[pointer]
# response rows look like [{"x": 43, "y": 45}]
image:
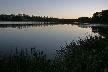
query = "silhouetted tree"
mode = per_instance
[
  {"x": 104, "y": 16},
  {"x": 100, "y": 17}
]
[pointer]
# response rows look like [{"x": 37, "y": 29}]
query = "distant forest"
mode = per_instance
[{"x": 98, "y": 17}]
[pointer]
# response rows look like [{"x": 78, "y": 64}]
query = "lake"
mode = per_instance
[{"x": 46, "y": 37}]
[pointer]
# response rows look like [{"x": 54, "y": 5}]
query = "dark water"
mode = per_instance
[{"x": 46, "y": 37}]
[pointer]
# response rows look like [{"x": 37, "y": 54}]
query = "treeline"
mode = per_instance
[
  {"x": 98, "y": 17},
  {"x": 24, "y": 17}
]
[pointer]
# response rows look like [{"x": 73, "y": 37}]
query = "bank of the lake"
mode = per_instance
[{"x": 85, "y": 55}]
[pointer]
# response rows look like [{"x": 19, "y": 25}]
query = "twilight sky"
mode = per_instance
[{"x": 53, "y": 8}]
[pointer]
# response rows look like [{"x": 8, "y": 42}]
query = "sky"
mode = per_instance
[{"x": 67, "y": 9}]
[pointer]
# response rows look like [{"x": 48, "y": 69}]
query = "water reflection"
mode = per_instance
[
  {"x": 100, "y": 30},
  {"x": 46, "y": 37},
  {"x": 21, "y": 26},
  {"x": 97, "y": 28}
]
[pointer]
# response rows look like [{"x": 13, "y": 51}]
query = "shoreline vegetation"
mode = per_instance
[
  {"x": 85, "y": 55},
  {"x": 98, "y": 17}
]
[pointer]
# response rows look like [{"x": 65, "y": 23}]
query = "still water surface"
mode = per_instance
[{"x": 46, "y": 37}]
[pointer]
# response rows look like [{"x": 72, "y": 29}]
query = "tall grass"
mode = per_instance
[
  {"x": 85, "y": 55},
  {"x": 24, "y": 62}
]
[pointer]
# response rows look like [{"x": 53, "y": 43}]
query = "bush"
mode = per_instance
[{"x": 88, "y": 55}]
